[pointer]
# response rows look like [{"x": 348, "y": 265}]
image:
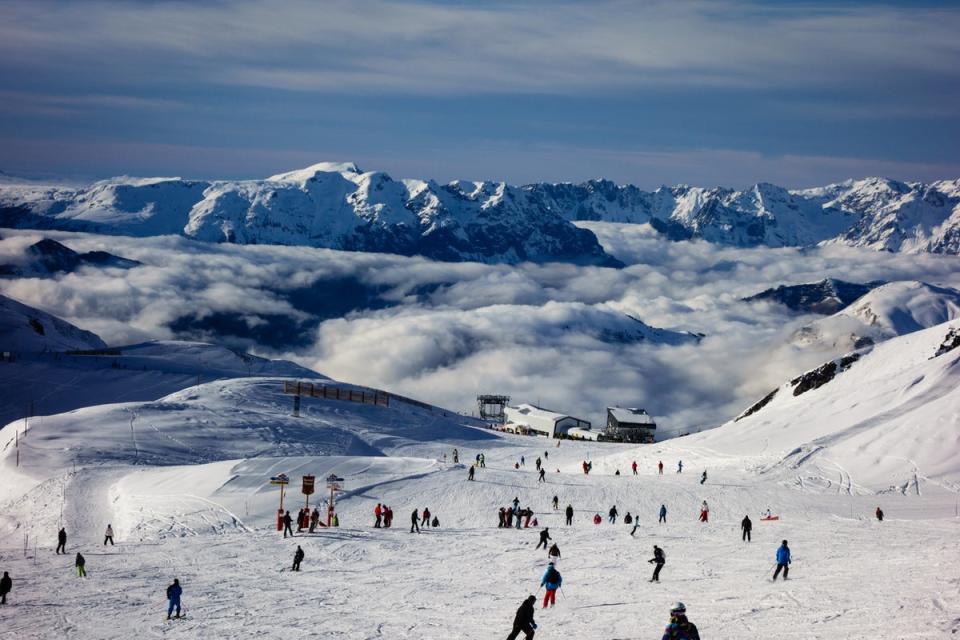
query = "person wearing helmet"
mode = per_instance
[
  {"x": 552, "y": 580},
  {"x": 680, "y": 628},
  {"x": 783, "y": 561}
]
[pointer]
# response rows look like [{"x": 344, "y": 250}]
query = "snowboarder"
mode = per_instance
[
  {"x": 680, "y": 628},
  {"x": 6, "y": 585},
  {"x": 552, "y": 580},
  {"x": 556, "y": 503},
  {"x": 659, "y": 559},
  {"x": 543, "y": 476},
  {"x": 108, "y": 536},
  {"x": 879, "y": 514},
  {"x": 660, "y": 467},
  {"x": 703, "y": 478},
  {"x": 174, "y": 592},
  {"x": 523, "y": 621},
  {"x": 554, "y": 552},
  {"x": 663, "y": 513},
  {"x": 297, "y": 559},
  {"x": 634, "y": 466},
  {"x": 287, "y": 522},
  {"x": 680, "y": 466},
  {"x": 81, "y": 564},
  {"x": 426, "y": 518},
  {"x": 470, "y": 473},
  {"x": 569, "y": 514},
  {"x": 628, "y": 519},
  {"x": 62, "y": 542},
  {"x": 613, "y": 514},
  {"x": 704, "y": 512},
  {"x": 378, "y": 514},
  {"x": 415, "y": 521},
  {"x": 544, "y": 536},
  {"x": 783, "y": 560},
  {"x": 746, "y": 526}
]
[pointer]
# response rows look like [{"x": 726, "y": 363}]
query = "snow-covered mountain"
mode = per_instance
[
  {"x": 825, "y": 297},
  {"x": 894, "y": 309},
  {"x": 25, "y": 329},
  {"x": 337, "y": 205},
  {"x": 48, "y": 257}
]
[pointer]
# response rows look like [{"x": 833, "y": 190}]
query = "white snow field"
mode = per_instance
[{"x": 184, "y": 481}]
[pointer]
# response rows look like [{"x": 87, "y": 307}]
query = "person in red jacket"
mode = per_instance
[
  {"x": 378, "y": 513},
  {"x": 597, "y": 519},
  {"x": 634, "y": 466},
  {"x": 660, "y": 467}
]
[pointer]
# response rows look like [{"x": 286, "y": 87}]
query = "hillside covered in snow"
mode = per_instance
[{"x": 339, "y": 206}]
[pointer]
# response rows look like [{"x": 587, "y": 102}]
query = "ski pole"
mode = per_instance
[{"x": 562, "y": 593}]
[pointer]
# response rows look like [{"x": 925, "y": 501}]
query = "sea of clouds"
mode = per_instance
[{"x": 558, "y": 335}]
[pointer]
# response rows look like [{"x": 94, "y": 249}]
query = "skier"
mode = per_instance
[
  {"x": 552, "y": 580},
  {"x": 62, "y": 541},
  {"x": 435, "y": 522},
  {"x": 501, "y": 516},
  {"x": 388, "y": 517},
  {"x": 456, "y": 456},
  {"x": 634, "y": 465},
  {"x": 680, "y": 628},
  {"x": 746, "y": 526},
  {"x": 81, "y": 564},
  {"x": 336, "y": 520},
  {"x": 539, "y": 462},
  {"x": 546, "y": 454},
  {"x": 628, "y": 519},
  {"x": 287, "y": 521},
  {"x": 378, "y": 514},
  {"x": 523, "y": 461},
  {"x": 523, "y": 621},
  {"x": 314, "y": 519},
  {"x": 556, "y": 503},
  {"x": 636, "y": 525},
  {"x": 543, "y": 476},
  {"x": 415, "y": 521},
  {"x": 470, "y": 473},
  {"x": 704, "y": 512},
  {"x": 426, "y": 518},
  {"x": 569, "y": 514},
  {"x": 297, "y": 559},
  {"x": 6, "y": 584},
  {"x": 300, "y": 520},
  {"x": 174, "y": 592},
  {"x": 879, "y": 514},
  {"x": 483, "y": 461},
  {"x": 554, "y": 552},
  {"x": 660, "y": 467},
  {"x": 663, "y": 513},
  {"x": 703, "y": 478},
  {"x": 613, "y": 514},
  {"x": 783, "y": 560},
  {"x": 586, "y": 469},
  {"x": 544, "y": 536},
  {"x": 108, "y": 536},
  {"x": 680, "y": 466},
  {"x": 660, "y": 559}
]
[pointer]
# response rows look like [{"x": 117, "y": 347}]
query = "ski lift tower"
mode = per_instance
[{"x": 492, "y": 408}]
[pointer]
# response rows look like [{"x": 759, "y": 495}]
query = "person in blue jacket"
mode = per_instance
[
  {"x": 783, "y": 560},
  {"x": 552, "y": 580},
  {"x": 174, "y": 592},
  {"x": 680, "y": 628}
]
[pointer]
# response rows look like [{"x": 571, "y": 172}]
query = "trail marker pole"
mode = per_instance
[
  {"x": 283, "y": 481},
  {"x": 334, "y": 483}
]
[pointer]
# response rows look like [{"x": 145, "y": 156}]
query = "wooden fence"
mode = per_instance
[{"x": 311, "y": 390}]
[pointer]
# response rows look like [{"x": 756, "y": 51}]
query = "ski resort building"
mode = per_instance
[
  {"x": 528, "y": 418},
  {"x": 629, "y": 425}
]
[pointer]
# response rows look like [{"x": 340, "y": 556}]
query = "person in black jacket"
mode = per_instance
[
  {"x": 554, "y": 552},
  {"x": 81, "y": 564},
  {"x": 523, "y": 621},
  {"x": 746, "y": 526},
  {"x": 414, "y": 521},
  {"x": 6, "y": 584},
  {"x": 569, "y": 515},
  {"x": 287, "y": 521},
  {"x": 62, "y": 542},
  {"x": 660, "y": 560},
  {"x": 297, "y": 559},
  {"x": 544, "y": 536}
]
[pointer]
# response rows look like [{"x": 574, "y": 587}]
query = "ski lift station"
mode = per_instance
[
  {"x": 629, "y": 425},
  {"x": 528, "y": 418}
]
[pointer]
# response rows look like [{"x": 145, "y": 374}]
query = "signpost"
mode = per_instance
[
  {"x": 307, "y": 488},
  {"x": 283, "y": 481},
  {"x": 334, "y": 483}
]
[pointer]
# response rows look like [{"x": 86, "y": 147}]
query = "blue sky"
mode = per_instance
[{"x": 718, "y": 92}]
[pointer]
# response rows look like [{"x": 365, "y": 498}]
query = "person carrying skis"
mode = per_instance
[
  {"x": 660, "y": 467},
  {"x": 703, "y": 478},
  {"x": 108, "y": 536},
  {"x": 6, "y": 585},
  {"x": 680, "y": 466},
  {"x": 783, "y": 560},
  {"x": 174, "y": 591},
  {"x": 613, "y": 514},
  {"x": 746, "y": 526},
  {"x": 556, "y": 503},
  {"x": 879, "y": 514},
  {"x": 569, "y": 514},
  {"x": 297, "y": 559},
  {"x": 287, "y": 522},
  {"x": 81, "y": 564},
  {"x": 415, "y": 521},
  {"x": 634, "y": 467},
  {"x": 554, "y": 552},
  {"x": 680, "y": 628},
  {"x": 470, "y": 472},
  {"x": 544, "y": 536},
  {"x": 704, "y": 512},
  {"x": 663, "y": 513},
  {"x": 659, "y": 559},
  {"x": 62, "y": 541},
  {"x": 426, "y": 517},
  {"x": 552, "y": 580},
  {"x": 543, "y": 476},
  {"x": 523, "y": 621}
]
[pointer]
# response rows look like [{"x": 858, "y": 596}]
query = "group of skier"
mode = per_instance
[
  {"x": 383, "y": 515},
  {"x": 417, "y": 521}
]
